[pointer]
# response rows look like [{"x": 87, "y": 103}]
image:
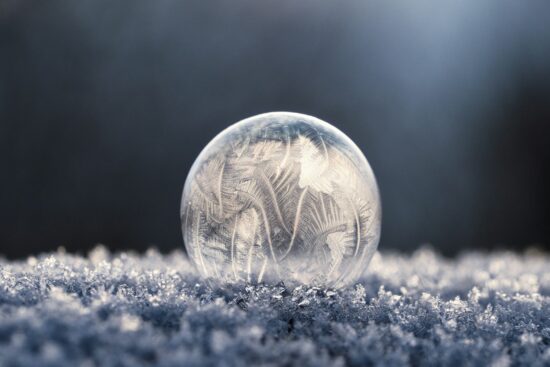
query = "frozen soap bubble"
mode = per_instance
[{"x": 281, "y": 196}]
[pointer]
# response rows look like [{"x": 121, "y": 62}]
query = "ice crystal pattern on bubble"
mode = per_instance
[{"x": 281, "y": 196}]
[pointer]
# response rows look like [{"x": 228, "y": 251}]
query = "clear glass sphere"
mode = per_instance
[{"x": 281, "y": 196}]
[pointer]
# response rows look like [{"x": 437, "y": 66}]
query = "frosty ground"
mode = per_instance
[{"x": 131, "y": 310}]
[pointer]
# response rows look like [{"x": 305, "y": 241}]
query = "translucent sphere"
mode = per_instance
[{"x": 281, "y": 196}]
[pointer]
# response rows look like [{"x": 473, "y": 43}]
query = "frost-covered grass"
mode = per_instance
[{"x": 132, "y": 310}]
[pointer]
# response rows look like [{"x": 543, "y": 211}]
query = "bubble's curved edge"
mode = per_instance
[{"x": 346, "y": 141}]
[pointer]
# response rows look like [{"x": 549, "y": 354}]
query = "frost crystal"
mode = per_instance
[
  {"x": 281, "y": 196},
  {"x": 141, "y": 310}
]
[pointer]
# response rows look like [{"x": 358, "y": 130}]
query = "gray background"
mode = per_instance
[{"x": 104, "y": 106}]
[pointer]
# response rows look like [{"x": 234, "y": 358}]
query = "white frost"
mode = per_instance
[{"x": 134, "y": 310}]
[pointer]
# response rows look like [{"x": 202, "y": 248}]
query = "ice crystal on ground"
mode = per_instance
[{"x": 135, "y": 310}]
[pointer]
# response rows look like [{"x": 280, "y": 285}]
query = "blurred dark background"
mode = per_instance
[{"x": 104, "y": 106}]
